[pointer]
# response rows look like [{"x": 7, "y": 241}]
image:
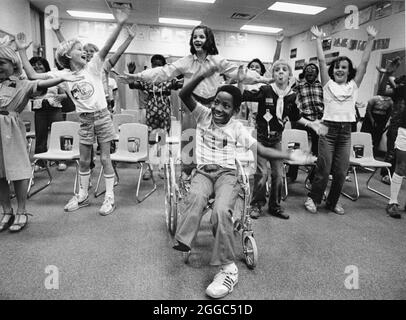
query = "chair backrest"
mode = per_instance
[
  {"x": 64, "y": 133},
  {"x": 72, "y": 116},
  {"x": 119, "y": 119},
  {"x": 133, "y": 140},
  {"x": 135, "y": 113},
  {"x": 29, "y": 116},
  {"x": 361, "y": 145},
  {"x": 296, "y": 138}
]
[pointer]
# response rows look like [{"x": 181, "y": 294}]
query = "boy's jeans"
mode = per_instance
[
  {"x": 223, "y": 183},
  {"x": 261, "y": 177},
  {"x": 334, "y": 157}
]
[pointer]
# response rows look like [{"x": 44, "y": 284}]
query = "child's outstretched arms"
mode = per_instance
[
  {"x": 318, "y": 33},
  {"x": 186, "y": 93},
  {"x": 45, "y": 84},
  {"x": 362, "y": 68},
  {"x": 121, "y": 17},
  {"x": 116, "y": 56}
]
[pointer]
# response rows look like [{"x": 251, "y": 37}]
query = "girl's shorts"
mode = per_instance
[{"x": 96, "y": 125}]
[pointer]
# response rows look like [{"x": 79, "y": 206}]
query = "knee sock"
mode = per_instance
[
  {"x": 109, "y": 179},
  {"x": 231, "y": 267},
  {"x": 395, "y": 188},
  {"x": 84, "y": 179}
]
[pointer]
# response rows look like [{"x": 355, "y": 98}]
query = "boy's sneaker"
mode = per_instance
[
  {"x": 107, "y": 207},
  {"x": 310, "y": 205},
  {"x": 393, "y": 210},
  {"x": 255, "y": 212},
  {"x": 278, "y": 212},
  {"x": 222, "y": 285},
  {"x": 76, "y": 203},
  {"x": 38, "y": 168}
]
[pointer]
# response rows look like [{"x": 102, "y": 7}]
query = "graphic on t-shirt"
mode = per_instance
[{"x": 82, "y": 90}]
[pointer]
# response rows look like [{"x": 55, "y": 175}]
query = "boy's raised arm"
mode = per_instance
[{"x": 121, "y": 17}]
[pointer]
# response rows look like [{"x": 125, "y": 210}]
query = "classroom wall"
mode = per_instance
[
  {"x": 392, "y": 27},
  {"x": 15, "y": 17},
  {"x": 170, "y": 41}
]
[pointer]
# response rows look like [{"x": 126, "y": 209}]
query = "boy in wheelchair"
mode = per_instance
[{"x": 216, "y": 138}]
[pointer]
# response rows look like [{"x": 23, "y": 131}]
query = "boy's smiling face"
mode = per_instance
[
  {"x": 222, "y": 108},
  {"x": 78, "y": 55}
]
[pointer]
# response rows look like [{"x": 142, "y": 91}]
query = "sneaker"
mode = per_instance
[
  {"x": 338, "y": 209},
  {"x": 255, "y": 212},
  {"x": 278, "y": 212},
  {"x": 76, "y": 203},
  {"x": 393, "y": 210},
  {"x": 107, "y": 207},
  {"x": 181, "y": 247},
  {"x": 310, "y": 205},
  {"x": 62, "y": 166},
  {"x": 222, "y": 285},
  {"x": 386, "y": 180}
]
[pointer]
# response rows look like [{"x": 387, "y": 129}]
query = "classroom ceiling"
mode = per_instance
[{"x": 217, "y": 15}]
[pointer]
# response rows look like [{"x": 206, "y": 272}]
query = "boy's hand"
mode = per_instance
[
  {"x": 21, "y": 41},
  {"x": 208, "y": 70},
  {"x": 131, "y": 30},
  {"x": 122, "y": 15},
  {"x": 318, "y": 33},
  {"x": 280, "y": 37},
  {"x": 300, "y": 156},
  {"x": 320, "y": 128},
  {"x": 372, "y": 32},
  {"x": 132, "y": 76},
  {"x": 131, "y": 67},
  {"x": 125, "y": 79}
]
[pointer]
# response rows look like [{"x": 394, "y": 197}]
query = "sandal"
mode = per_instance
[
  {"x": 18, "y": 226},
  {"x": 5, "y": 224}
]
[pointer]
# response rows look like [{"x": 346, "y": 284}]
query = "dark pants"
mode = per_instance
[
  {"x": 390, "y": 156},
  {"x": 376, "y": 130},
  {"x": 261, "y": 177},
  {"x": 314, "y": 138},
  {"x": 334, "y": 157},
  {"x": 44, "y": 118}
]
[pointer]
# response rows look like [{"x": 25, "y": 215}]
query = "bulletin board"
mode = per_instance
[{"x": 390, "y": 56}]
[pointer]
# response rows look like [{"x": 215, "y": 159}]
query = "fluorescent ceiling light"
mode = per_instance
[
  {"x": 89, "y": 14},
  {"x": 204, "y": 1},
  {"x": 182, "y": 22},
  {"x": 261, "y": 29},
  {"x": 296, "y": 8}
]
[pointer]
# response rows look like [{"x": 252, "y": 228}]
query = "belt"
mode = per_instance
[{"x": 210, "y": 167}]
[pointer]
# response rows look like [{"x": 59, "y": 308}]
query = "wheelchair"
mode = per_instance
[{"x": 176, "y": 190}]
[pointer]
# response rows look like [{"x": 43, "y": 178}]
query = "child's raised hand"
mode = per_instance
[
  {"x": 131, "y": 30},
  {"x": 131, "y": 67},
  {"x": 318, "y": 33},
  {"x": 242, "y": 73},
  {"x": 122, "y": 15},
  {"x": 372, "y": 32},
  {"x": 21, "y": 41},
  {"x": 280, "y": 37}
]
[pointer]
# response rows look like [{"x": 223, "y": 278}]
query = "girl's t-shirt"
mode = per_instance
[
  {"x": 339, "y": 101},
  {"x": 88, "y": 93}
]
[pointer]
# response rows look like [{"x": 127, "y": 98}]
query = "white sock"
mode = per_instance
[
  {"x": 109, "y": 179},
  {"x": 395, "y": 188},
  {"x": 231, "y": 267},
  {"x": 84, "y": 178}
]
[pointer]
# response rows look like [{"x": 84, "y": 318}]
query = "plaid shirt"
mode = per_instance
[{"x": 310, "y": 100}]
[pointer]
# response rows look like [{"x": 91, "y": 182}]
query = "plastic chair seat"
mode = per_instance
[
  {"x": 57, "y": 155},
  {"x": 368, "y": 162},
  {"x": 127, "y": 157}
]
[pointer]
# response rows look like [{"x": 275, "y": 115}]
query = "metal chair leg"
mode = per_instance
[
  {"x": 96, "y": 193},
  {"x": 139, "y": 183},
  {"x": 356, "y": 196},
  {"x": 285, "y": 183},
  {"x": 374, "y": 190},
  {"x": 29, "y": 193}
]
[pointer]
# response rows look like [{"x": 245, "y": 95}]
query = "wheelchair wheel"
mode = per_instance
[
  {"x": 250, "y": 251},
  {"x": 171, "y": 210}
]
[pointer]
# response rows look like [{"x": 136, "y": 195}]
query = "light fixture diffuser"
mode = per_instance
[
  {"x": 204, "y": 1},
  {"x": 90, "y": 14},
  {"x": 296, "y": 8},
  {"x": 183, "y": 22},
  {"x": 261, "y": 29}
]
